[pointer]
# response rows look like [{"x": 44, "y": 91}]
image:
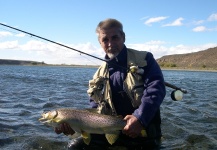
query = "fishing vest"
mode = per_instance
[{"x": 99, "y": 87}]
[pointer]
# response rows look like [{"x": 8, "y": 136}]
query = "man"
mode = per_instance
[{"x": 130, "y": 83}]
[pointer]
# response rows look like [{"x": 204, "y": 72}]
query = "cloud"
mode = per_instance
[
  {"x": 5, "y": 33},
  {"x": 200, "y": 29},
  {"x": 8, "y": 45},
  {"x": 155, "y": 47},
  {"x": 177, "y": 22},
  {"x": 198, "y": 22},
  {"x": 185, "y": 49},
  {"x": 20, "y": 35},
  {"x": 55, "y": 54},
  {"x": 152, "y": 42},
  {"x": 203, "y": 29},
  {"x": 212, "y": 17},
  {"x": 143, "y": 18},
  {"x": 154, "y": 20},
  {"x": 34, "y": 45},
  {"x": 160, "y": 48}
]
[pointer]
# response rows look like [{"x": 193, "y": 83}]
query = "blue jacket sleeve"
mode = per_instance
[
  {"x": 93, "y": 104},
  {"x": 154, "y": 92}
]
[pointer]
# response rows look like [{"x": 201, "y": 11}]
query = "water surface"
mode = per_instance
[{"x": 27, "y": 91}]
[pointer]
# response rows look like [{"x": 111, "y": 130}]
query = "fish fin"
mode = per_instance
[
  {"x": 120, "y": 116},
  {"x": 143, "y": 133},
  {"x": 87, "y": 141},
  {"x": 57, "y": 120},
  {"x": 86, "y": 137},
  {"x": 75, "y": 135},
  {"x": 111, "y": 138},
  {"x": 93, "y": 110}
]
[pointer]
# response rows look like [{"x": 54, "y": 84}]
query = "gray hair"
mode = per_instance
[{"x": 110, "y": 23}]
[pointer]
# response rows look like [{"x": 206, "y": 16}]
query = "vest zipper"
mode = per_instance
[{"x": 128, "y": 93}]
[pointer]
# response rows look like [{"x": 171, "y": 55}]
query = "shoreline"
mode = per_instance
[
  {"x": 93, "y": 66},
  {"x": 189, "y": 69},
  {"x": 50, "y": 65}
]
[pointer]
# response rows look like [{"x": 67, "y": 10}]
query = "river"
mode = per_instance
[{"x": 27, "y": 91}]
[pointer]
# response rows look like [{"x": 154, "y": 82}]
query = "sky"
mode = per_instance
[{"x": 162, "y": 27}]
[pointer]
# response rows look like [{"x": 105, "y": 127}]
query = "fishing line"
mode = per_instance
[
  {"x": 53, "y": 42},
  {"x": 37, "y": 39},
  {"x": 33, "y": 35},
  {"x": 60, "y": 44}
]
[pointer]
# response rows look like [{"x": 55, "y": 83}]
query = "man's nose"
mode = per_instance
[{"x": 110, "y": 43}]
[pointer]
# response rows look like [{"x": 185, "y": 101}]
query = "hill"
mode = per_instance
[
  {"x": 19, "y": 62},
  {"x": 28, "y": 63},
  {"x": 202, "y": 60},
  {"x": 205, "y": 60}
]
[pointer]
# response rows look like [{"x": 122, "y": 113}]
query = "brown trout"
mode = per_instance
[{"x": 86, "y": 122}]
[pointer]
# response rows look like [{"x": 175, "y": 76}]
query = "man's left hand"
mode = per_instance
[{"x": 133, "y": 127}]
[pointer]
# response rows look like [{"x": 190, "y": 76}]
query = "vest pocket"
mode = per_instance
[
  {"x": 104, "y": 108},
  {"x": 137, "y": 93},
  {"x": 96, "y": 88}
]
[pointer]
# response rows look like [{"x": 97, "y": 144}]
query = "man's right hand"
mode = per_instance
[{"x": 65, "y": 129}]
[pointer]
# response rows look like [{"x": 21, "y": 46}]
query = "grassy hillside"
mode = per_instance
[
  {"x": 19, "y": 62},
  {"x": 202, "y": 60},
  {"x": 206, "y": 59}
]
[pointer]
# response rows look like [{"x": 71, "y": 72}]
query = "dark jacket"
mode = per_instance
[{"x": 149, "y": 111}]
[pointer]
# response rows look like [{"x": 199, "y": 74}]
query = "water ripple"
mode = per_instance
[{"x": 26, "y": 92}]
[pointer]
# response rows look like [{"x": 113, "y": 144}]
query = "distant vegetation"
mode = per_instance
[
  {"x": 167, "y": 65},
  {"x": 202, "y": 60},
  {"x": 35, "y": 63},
  {"x": 19, "y": 62}
]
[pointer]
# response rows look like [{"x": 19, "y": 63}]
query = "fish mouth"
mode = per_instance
[
  {"x": 47, "y": 117},
  {"x": 42, "y": 120}
]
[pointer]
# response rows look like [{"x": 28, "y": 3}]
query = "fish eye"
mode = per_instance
[
  {"x": 54, "y": 114},
  {"x": 45, "y": 115}
]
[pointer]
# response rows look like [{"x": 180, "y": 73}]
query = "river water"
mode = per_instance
[{"x": 27, "y": 91}]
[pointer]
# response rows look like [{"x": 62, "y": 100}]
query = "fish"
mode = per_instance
[{"x": 86, "y": 122}]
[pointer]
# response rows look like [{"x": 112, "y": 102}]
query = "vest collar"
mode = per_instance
[{"x": 120, "y": 59}]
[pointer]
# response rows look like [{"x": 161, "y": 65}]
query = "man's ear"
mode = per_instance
[
  {"x": 99, "y": 40},
  {"x": 124, "y": 36}
]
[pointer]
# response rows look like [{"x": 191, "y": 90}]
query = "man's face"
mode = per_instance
[{"x": 112, "y": 41}]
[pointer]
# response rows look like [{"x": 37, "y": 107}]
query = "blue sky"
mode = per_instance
[{"x": 162, "y": 27}]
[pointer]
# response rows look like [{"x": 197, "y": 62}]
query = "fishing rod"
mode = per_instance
[
  {"x": 166, "y": 83},
  {"x": 52, "y": 41},
  {"x": 175, "y": 87},
  {"x": 58, "y": 44}
]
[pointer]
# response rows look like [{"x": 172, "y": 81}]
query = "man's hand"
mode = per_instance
[
  {"x": 65, "y": 129},
  {"x": 133, "y": 127}
]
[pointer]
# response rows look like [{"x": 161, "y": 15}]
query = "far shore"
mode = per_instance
[
  {"x": 52, "y": 65},
  {"x": 96, "y": 66},
  {"x": 190, "y": 69}
]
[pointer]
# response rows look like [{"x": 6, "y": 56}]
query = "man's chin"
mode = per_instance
[{"x": 111, "y": 55}]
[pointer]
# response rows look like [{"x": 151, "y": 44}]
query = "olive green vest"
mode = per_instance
[{"x": 99, "y": 88}]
